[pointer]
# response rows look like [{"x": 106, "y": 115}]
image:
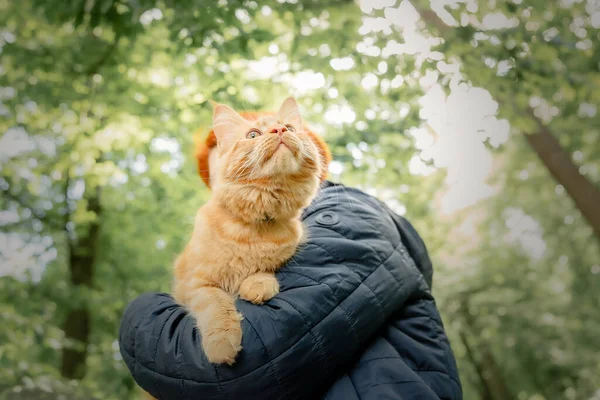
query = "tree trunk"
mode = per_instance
[
  {"x": 585, "y": 195},
  {"x": 77, "y": 324},
  {"x": 484, "y": 389},
  {"x": 493, "y": 375},
  {"x": 493, "y": 381},
  {"x": 583, "y": 192}
]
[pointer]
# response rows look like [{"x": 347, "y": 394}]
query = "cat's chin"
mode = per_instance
[
  {"x": 282, "y": 162},
  {"x": 282, "y": 146}
]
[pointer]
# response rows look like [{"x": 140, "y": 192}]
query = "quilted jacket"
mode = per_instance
[{"x": 355, "y": 319}]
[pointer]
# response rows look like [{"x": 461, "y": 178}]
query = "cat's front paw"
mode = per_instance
[
  {"x": 222, "y": 345},
  {"x": 259, "y": 288}
]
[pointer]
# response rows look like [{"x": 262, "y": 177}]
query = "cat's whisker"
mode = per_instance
[
  {"x": 200, "y": 276},
  {"x": 258, "y": 158},
  {"x": 254, "y": 164},
  {"x": 307, "y": 154},
  {"x": 242, "y": 168},
  {"x": 254, "y": 160},
  {"x": 251, "y": 161}
]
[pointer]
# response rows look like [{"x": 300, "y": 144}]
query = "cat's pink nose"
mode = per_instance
[{"x": 278, "y": 130}]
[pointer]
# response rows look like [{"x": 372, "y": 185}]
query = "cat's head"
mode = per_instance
[{"x": 269, "y": 148}]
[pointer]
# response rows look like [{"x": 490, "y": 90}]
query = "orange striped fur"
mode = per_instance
[
  {"x": 204, "y": 147},
  {"x": 268, "y": 170}
]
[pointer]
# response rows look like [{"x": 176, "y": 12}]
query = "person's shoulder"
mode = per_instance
[
  {"x": 338, "y": 194},
  {"x": 335, "y": 187},
  {"x": 351, "y": 212},
  {"x": 353, "y": 205},
  {"x": 354, "y": 202}
]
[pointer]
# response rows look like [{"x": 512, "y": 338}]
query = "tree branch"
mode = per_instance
[
  {"x": 557, "y": 161},
  {"x": 95, "y": 67},
  {"x": 38, "y": 214}
]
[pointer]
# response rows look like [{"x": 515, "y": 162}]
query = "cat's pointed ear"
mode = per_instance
[
  {"x": 290, "y": 113},
  {"x": 228, "y": 125}
]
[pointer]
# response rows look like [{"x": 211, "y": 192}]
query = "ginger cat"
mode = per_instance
[{"x": 269, "y": 171}]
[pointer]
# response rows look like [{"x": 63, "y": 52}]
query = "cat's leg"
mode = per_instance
[
  {"x": 260, "y": 287},
  {"x": 179, "y": 283},
  {"x": 218, "y": 321}
]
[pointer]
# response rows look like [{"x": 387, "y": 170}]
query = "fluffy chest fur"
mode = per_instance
[
  {"x": 268, "y": 171},
  {"x": 227, "y": 249}
]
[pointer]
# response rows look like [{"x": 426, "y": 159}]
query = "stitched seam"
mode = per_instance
[
  {"x": 336, "y": 259},
  {"x": 374, "y": 229},
  {"x": 398, "y": 383},
  {"x": 453, "y": 379},
  {"x": 434, "y": 371},
  {"x": 218, "y": 378},
  {"x": 293, "y": 344},
  {"x": 312, "y": 280},
  {"x": 319, "y": 345},
  {"x": 305, "y": 276},
  {"x": 383, "y": 264},
  {"x": 383, "y": 383},
  {"x": 400, "y": 358},
  {"x": 441, "y": 336},
  {"x": 329, "y": 252},
  {"x": 185, "y": 396},
  {"x": 218, "y": 382},
  {"x": 377, "y": 299},
  {"x": 156, "y": 351},
  {"x": 354, "y": 387},
  {"x": 447, "y": 351},
  {"x": 135, "y": 329},
  {"x": 362, "y": 282},
  {"x": 377, "y": 359},
  {"x": 385, "y": 261},
  {"x": 350, "y": 322},
  {"x": 358, "y": 276},
  {"x": 447, "y": 373},
  {"x": 271, "y": 366},
  {"x": 373, "y": 205}
]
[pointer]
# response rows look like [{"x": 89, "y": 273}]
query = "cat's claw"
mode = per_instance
[{"x": 259, "y": 288}]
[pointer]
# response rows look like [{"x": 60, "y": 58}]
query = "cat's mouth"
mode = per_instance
[{"x": 281, "y": 147}]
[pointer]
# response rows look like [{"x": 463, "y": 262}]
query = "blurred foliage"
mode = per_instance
[{"x": 100, "y": 102}]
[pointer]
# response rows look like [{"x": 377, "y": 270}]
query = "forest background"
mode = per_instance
[{"x": 477, "y": 120}]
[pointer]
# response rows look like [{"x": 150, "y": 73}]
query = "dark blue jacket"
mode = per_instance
[{"x": 355, "y": 319}]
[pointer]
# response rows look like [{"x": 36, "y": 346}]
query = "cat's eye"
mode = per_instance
[
  {"x": 290, "y": 128},
  {"x": 254, "y": 133}
]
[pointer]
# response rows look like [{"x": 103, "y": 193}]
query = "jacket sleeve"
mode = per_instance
[
  {"x": 410, "y": 359},
  {"x": 414, "y": 244},
  {"x": 342, "y": 287},
  {"x": 293, "y": 346},
  {"x": 289, "y": 345}
]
